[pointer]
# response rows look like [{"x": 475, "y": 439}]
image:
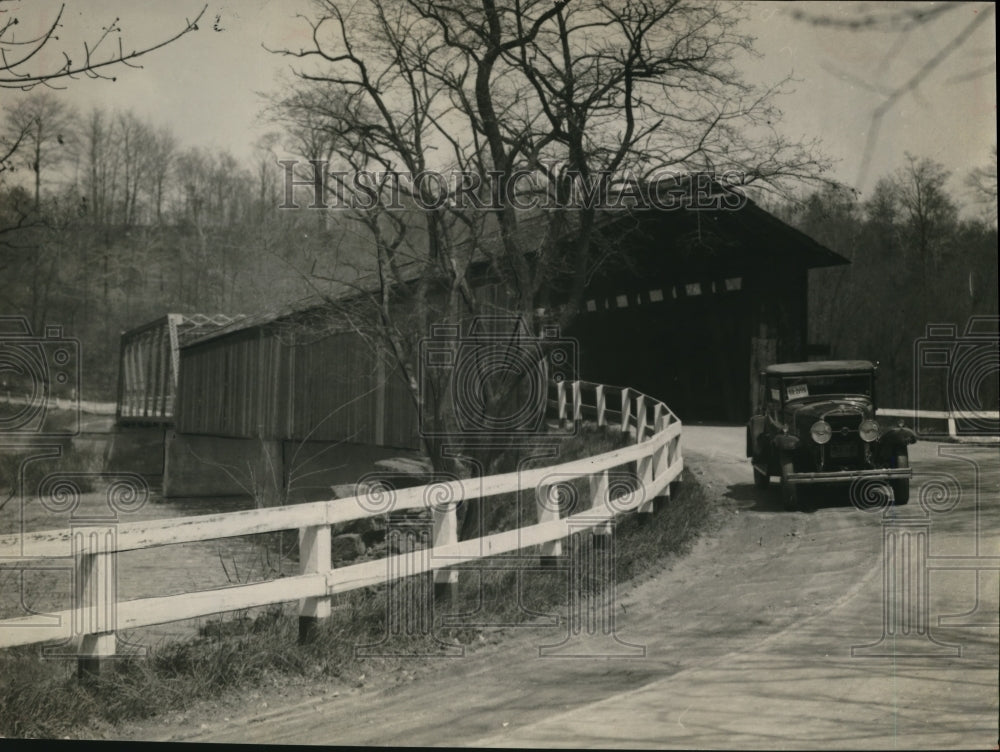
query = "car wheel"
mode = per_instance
[
  {"x": 789, "y": 494},
  {"x": 761, "y": 480},
  {"x": 901, "y": 487}
]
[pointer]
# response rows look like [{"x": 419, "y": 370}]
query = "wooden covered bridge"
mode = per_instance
[{"x": 268, "y": 401}]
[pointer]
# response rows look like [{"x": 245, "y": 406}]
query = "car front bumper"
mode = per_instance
[{"x": 885, "y": 473}]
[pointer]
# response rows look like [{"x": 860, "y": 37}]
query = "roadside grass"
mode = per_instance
[{"x": 42, "y": 698}]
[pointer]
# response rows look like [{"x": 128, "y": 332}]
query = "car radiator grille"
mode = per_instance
[
  {"x": 843, "y": 451},
  {"x": 845, "y": 448},
  {"x": 844, "y": 426}
]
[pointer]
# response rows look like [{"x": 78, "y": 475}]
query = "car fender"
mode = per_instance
[
  {"x": 786, "y": 442},
  {"x": 899, "y": 436},
  {"x": 755, "y": 432}
]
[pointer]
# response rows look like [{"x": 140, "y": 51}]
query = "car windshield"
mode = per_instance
[{"x": 801, "y": 387}]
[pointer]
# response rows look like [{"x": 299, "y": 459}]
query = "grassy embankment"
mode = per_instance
[{"x": 42, "y": 698}]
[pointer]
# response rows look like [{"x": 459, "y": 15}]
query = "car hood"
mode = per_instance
[{"x": 837, "y": 411}]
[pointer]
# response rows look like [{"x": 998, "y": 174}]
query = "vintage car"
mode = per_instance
[{"x": 817, "y": 423}]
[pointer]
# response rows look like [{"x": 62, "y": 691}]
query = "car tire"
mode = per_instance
[
  {"x": 901, "y": 487},
  {"x": 789, "y": 494},
  {"x": 761, "y": 480}
]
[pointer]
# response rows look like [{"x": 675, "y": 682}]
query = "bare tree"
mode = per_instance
[
  {"x": 23, "y": 66},
  {"x": 162, "y": 152},
  {"x": 929, "y": 214},
  {"x": 135, "y": 139},
  {"x": 900, "y": 20},
  {"x": 20, "y": 66},
  {"x": 99, "y": 157},
  {"x": 584, "y": 96},
  {"x": 43, "y": 129},
  {"x": 982, "y": 184}
]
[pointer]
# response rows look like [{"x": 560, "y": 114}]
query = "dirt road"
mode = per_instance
[{"x": 772, "y": 633}]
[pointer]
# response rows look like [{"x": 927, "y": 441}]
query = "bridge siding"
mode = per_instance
[
  {"x": 255, "y": 384},
  {"x": 694, "y": 351}
]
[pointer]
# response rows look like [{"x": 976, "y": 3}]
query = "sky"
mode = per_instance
[{"x": 207, "y": 85}]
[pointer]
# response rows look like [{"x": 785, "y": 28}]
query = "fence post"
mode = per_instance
[
  {"x": 626, "y": 410},
  {"x": 674, "y": 453},
  {"x": 561, "y": 402},
  {"x": 599, "y": 499},
  {"x": 640, "y": 417},
  {"x": 96, "y": 594},
  {"x": 577, "y": 404},
  {"x": 952, "y": 427},
  {"x": 661, "y": 463},
  {"x": 314, "y": 557},
  {"x": 445, "y": 532},
  {"x": 548, "y": 510},
  {"x": 644, "y": 471},
  {"x": 599, "y": 396}
]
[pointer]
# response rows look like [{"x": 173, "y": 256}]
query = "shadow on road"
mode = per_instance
[{"x": 768, "y": 500}]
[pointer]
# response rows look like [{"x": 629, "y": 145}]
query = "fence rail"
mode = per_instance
[
  {"x": 62, "y": 403},
  {"x": 653, "y": 460},
  {"x": 952, "y": 416}
]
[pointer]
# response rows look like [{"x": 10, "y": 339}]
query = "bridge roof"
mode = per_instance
[
  {"x": 682, "y": 242},
  {"x": 820, "y": 367}
]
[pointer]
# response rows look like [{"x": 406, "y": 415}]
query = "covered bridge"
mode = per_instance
[
  {"x": 707, "y": 299},
  {"x": 695, "y": 303},
  {"x": 149, "y": 365}
]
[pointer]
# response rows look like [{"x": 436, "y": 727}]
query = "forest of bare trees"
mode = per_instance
[
  {"x": 107, "y": 221},
  {"x": 915, "y": 261}
]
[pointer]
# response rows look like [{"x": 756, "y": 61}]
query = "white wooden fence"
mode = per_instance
[
  {"x": 952, "y": 416},
  {"x": 97, "y": 615},
  {"x": 61, "y": 403}
]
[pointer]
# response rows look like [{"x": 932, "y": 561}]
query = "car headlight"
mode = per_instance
[
  {"x": 869, "y": 431},
  {"x": 821, "y": 431}
]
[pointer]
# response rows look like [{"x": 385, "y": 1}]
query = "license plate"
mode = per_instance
[
  {"x": 843, "y": 450},
  {"x": 797, "y": 391}
]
